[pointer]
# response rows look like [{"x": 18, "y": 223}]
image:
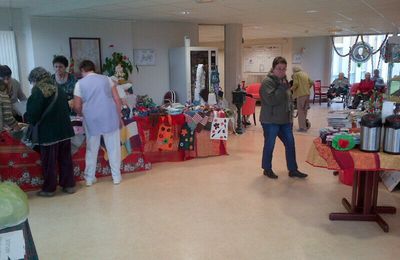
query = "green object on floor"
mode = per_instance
[{"x": 14, "y": 207}]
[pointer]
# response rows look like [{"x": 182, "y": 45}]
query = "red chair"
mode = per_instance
[
  {"x": 353, "y": 89},
  {"x": 320, "y": 91},
  {"x": 254, "y": 90},
  {"x": 249, "y": 108}
]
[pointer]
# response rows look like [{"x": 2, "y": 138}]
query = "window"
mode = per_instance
[
  {"x": 357, "y": 71},
  {"x": 8, "y": 52}
]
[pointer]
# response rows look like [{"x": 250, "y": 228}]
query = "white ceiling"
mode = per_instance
[{"x": 260, "y": 18}]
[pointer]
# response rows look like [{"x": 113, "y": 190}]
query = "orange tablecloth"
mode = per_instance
[{"x": 321, "y": 155}]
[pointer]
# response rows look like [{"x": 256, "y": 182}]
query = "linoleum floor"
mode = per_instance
[{"x": 214, "y": 208}]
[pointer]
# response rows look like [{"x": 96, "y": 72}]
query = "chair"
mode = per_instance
[
  {"x": 254, "y": 90},
  {"x": 249, "y": 108},
  {"x": 320, "y": 91},
  {"x": 353, "y": 88}
]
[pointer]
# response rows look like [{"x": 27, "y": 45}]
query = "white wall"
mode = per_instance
[
  {"x": 316, "y": 57},
  {"x": 50, "y": 37},
  {"x": 21, "y": 27},
  {"x": 160, "y": 36},
  {"x": 286, "y": 47}
]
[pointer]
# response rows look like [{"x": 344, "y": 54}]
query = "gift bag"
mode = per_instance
[
  {"x": 219, "y": 128},
  {"x": 165, "y": 135},
  {"x": 186, "y": 139}
]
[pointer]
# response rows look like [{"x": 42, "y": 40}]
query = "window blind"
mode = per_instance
[{"x": 8, "y": 52}]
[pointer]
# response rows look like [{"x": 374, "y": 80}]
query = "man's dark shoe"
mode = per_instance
[
  {"x": 45, "y": 194},
  {"x": 69, "y": 190},
  {"x": 270, "y": 174},
  {"x": 297, "y": 173}
]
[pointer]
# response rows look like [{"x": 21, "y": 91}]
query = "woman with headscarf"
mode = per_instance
[{"x": 55, "y": 131}]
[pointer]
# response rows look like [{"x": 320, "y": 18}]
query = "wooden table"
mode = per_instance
[{"x": 363, "y": 205}]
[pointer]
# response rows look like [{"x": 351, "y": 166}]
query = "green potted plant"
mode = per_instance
[{"x": 118, "y": 58}]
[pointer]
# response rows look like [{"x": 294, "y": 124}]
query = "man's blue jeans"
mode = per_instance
[{"x": 285, "y": 133}]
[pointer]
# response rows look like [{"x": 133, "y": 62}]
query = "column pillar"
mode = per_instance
[{"x": 233, "y": 59}]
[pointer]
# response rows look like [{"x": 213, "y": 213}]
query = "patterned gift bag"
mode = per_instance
[
  {"x": 165, "y": 135},
  {"x": 186, "y": 139},
  {"x": 219, "y": 128}
]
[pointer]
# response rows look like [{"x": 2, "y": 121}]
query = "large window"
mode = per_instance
[
  {"x": 357, "y": 71},
  {"x": 8, "y": 52}
]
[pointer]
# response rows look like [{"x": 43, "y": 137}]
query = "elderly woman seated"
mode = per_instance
[
  {"x": 364, "y": 91},
  {"x": 339, "y": 86}
]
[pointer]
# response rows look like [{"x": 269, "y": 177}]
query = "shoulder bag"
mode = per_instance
[{"x": 32, "y": 133}]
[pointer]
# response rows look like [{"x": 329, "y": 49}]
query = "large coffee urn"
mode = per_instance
[
  {"x": 391, "y": 141},
  {"x": 371, "y": 125}
]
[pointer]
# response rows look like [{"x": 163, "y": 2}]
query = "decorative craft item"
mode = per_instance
[
  {"x": 375, "y": 102},
  {"x": 186, "y": 139},
  {"x": 361, "y": 52},
  {"x": 219, "y": 129},
  {"x": 343, "y": 142},
  {"x": 165, "y": 135}
]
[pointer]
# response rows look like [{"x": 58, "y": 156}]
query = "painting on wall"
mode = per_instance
[
  {"x": 85, "y": 49},
  {"x": 144, "y": 57}
]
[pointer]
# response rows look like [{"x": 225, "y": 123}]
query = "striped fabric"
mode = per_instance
[{"x": 6, "y": 116}]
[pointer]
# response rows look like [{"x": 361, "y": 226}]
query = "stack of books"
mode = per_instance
[{"x": 339, "y": 119}]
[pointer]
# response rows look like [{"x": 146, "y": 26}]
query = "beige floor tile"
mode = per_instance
[{"x": 214, "y": 208}]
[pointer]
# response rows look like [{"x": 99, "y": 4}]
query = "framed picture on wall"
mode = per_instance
[
  {"x": 85, "y": 49},
  {"x": 144, "y": 57}
]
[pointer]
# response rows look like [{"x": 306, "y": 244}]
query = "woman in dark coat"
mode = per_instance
[{"x": 55, "y": 131}]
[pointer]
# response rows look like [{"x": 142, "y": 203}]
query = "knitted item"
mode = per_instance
[
  {"x": 343, "y": 142},
  {"x": 186, "y": 139}
]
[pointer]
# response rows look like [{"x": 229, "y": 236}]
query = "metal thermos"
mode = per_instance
[
  {"x": 391, "y": 141},
  {"x": 370, "y": 138}
]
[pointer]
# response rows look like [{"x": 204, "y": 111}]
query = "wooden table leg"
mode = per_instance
[
  {"x": 367, "y": 193},
  {"x": 380, "y": 209},
  {"x": 364, "y": 199}
]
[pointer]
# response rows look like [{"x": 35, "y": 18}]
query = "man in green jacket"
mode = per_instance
[{"x": 301, "y": 91}]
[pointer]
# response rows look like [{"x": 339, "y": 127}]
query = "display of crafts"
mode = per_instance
[{"x": 342, "y": 140}]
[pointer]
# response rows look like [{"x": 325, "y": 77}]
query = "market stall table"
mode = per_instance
[
  {"x": 366, "y": 167},
  {"x": 21, "y": 165}
]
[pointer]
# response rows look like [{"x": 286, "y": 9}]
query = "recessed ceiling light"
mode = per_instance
[
  {"x": 185, "y": 12},
  {"x": 311, "y": 11},
  {"x": 339, "y": 21}
]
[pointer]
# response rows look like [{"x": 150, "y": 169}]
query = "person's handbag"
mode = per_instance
[{"x": 31, "y": 137}]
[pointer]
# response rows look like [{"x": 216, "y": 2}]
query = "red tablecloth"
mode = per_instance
[
  {"x": 148, "y": 129},
  {"x": 21, "y": 165}
]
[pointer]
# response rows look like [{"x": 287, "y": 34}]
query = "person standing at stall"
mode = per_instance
[
  {"x": 48, "y": 105},
  {"x": 66, "y": 81},
  {"x": 13, "y": 90},
  {"x": 96, "y": 98},
  {"x": 276, "y": 118},
  {"x": 301, "y": 91}
]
